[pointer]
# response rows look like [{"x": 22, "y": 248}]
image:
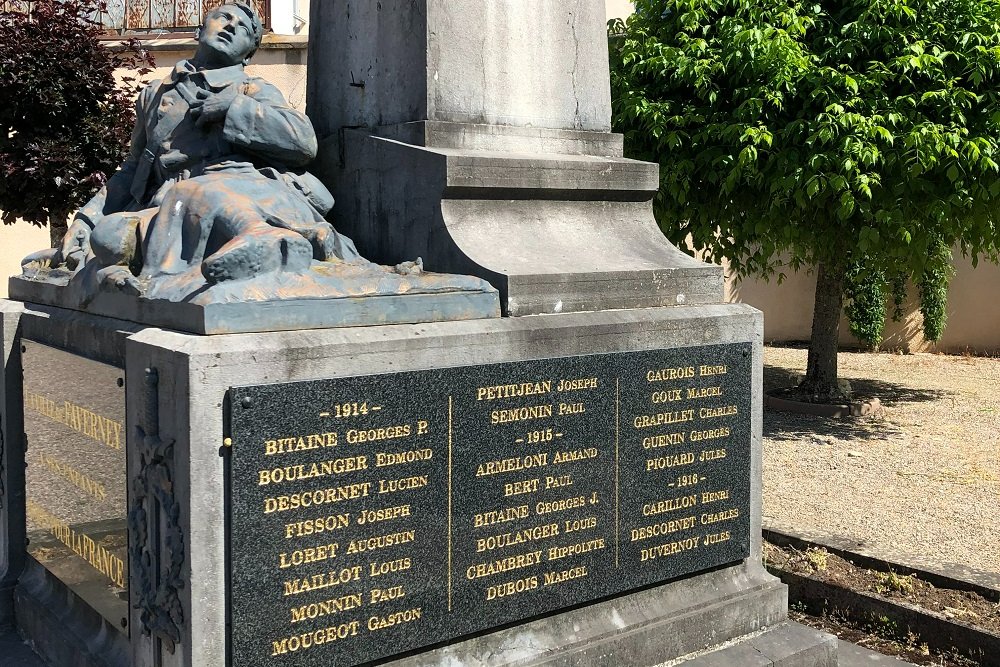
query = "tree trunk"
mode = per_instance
[
  {"x": 820, "y": 383},
  {"x": 58, "y": 224}
]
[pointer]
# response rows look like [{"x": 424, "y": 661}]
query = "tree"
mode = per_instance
[
  {"x": 838, "y": 133},
  {"x": 64, "y": 120}
]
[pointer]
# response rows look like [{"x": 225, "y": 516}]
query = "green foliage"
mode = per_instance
[
  {"x": 865, "y": 291},
  {"x": 856, "y": 131},
  {"x": 933, "y": 287},
  {"x": 64, "y": 121}
]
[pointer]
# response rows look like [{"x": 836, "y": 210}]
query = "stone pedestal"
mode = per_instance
[
  {"x": 477, "y": 136},
  {"x": 177, "y": 393}
]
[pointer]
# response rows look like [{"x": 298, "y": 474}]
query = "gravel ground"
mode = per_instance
[{"x": 920, "y": 480}]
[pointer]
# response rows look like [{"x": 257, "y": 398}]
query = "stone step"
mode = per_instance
[{"x": 783, "y": 645}]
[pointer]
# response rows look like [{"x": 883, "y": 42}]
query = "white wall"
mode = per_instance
[
  {"x": 618, "y": 8},
  {"x": 16, "y": 241}
]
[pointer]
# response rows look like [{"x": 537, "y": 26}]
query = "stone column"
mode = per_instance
[{"x": 476, "y": 135}]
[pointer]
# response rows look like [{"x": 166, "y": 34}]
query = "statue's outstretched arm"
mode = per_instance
[{"x": 261, "y": 122}]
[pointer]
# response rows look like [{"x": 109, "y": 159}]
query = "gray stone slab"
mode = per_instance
[
  {"x": 852, "y": 655},
  {"x": 786, "y": 644},
  {"x": 254, "y": 316},
  {"x": 552, "y": 233},
  {"x": 504, "y": 138}
]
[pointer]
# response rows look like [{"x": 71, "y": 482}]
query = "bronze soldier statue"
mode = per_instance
[{"x": 213, "y": 188}]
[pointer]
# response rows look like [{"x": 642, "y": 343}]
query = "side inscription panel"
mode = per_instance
[
  {"x": 374, "y": 515},
  {"x": 74, "y": 420}
]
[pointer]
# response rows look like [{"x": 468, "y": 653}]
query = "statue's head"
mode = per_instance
[{"x": 231, "y": 33}]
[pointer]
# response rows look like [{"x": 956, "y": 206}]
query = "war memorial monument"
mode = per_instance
[{"x": 412, "y": 380}]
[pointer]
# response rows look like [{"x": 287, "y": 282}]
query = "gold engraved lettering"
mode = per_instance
[
  {"x": 714, "y": 496},
  {"x": 670, "y": 461},
  {"x": 710, "y": 434},
  {"x": 547, "y": 506},
  {"x": 75, "y": 477},
  {"x": 577, "y": 385},
  {"x": 663, "y": 440},
  {"x": 666, "y": 374},
  {"x": 308, "y": 555},
  {"x": 316, "y": 610},
  {"x": 355, "y": 436},
  {"x": 572, "y": 408},
  {"x": 717, "y": 538},
  {"x": 573, "y": 455},
  {"x": 383, "y": 459},
  {"x": 503, "y": 540},
  {"x": 503, "y": 565},
  {"x": 558, "y": 482},
  {"x": 378, "y": 568},
  {"x": 555, "y": 553},
  {"x": 423, "y": 426},
  {"x": 662, "y": 528},
  {"x": 402, "y": 484},
  {"x": 383, "y": 514},
  {"x": 669, "y": 549},
  {"x": 512, "y": 465},
  {"x": 106, "y": 431},
  {"x": 377, "y": 595},
  {"x": 494, "y": 517},
  {"x": 673, "y": 417},
  {"x": 333, "y": 494},
  {"x": 713, "y": 413},
  {"x": 553, "y": 578},
  {"x": 318, "y": 582},
  {"x": 511, "y": 588},
  {"x": 716, "y": 517},
  {"x": 703, "y": 392},
  {"x": 322, "y": 469},
  {"x": 712, "y": 454},
  {"x": 380, "y": 542},
  {"x": 520, "y": 488},
  {"x": 396, "y": 618},
  {"x": 576, "y": 525},
  {"x": 674, "y": 504},
  {"x": 521, "y": 414},
  {"x": 323, "y": 524},
  {"x": 513, "y": 390},
  {"x": 712, "y": 370},
  {"x": 299, "y": 444},
  {"x": 102, "y": 560},
  {"x": 666, "y": 396},
  {"x": 308, "y": 640}
]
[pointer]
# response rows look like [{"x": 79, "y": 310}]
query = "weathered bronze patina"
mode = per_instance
[{"x": 213, "y": 204}]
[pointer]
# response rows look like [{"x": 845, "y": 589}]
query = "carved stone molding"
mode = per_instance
[{"x": 156, "y": 542}]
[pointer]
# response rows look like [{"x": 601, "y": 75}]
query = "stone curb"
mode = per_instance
[
  {"x": 985, "y": 584},
  {"x": 934, "y": 628}
]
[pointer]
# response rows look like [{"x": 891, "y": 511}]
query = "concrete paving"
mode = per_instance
[{"x": 851, "y": 655}]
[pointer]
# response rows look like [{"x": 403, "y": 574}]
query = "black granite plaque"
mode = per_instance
[
  {"x": 375, "y": 515},
  {"x": 74, "y": 420}
]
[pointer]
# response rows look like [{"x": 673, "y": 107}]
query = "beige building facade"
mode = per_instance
[{"x": 973, "y": 309}]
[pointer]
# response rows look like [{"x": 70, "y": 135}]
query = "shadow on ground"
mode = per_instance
[
  {"x": 787, "y": 426},
  {"x": 776, "y": 377}
]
